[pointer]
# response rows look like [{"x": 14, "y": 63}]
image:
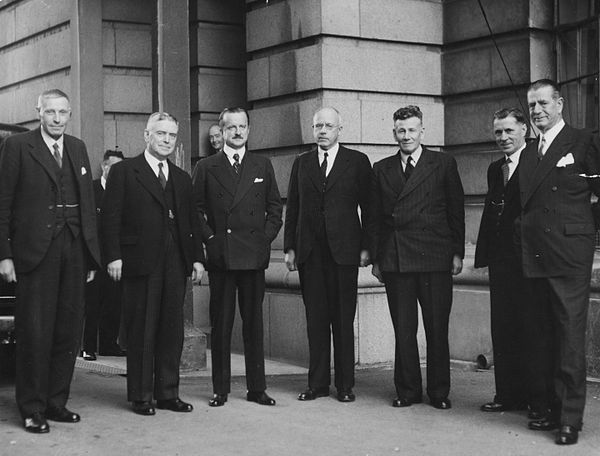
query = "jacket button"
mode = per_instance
[
  {"x": 546, "y": 210},
  {"x": 48, "y": 226},
  {"x": 51, "y": 207},
  {"x": 554, "y": 188},
  {"x": 546, "y": 230},
  {"x": 537, "y": 255},
  {"x": 228, "y": 231}
]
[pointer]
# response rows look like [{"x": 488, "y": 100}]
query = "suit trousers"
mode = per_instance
[
  {"x": 153, "y": 320},
  {"x": 509, "y": 297},
  {"x": 102, "y": 315},
  {"x": 560, "y": 308},
  {"x": 329, "y": 292},
  {"x": 249, "y": 285},
  {"x": 433, "y": 290},
  {"x": 48, "y": 324}
]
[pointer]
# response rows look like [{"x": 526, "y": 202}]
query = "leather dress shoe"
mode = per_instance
[
  {"x": 62, "y": 415},
  {"x": 403, "y": 402},
  {"x": 545, "y": 424},
  {"x": 175, "y": 405},
  {"x": 311, "y": 394},
  {"x": 260, "y": 397},
  {"x": 346, "y": 396},
  {"x": 218, "y": 400},
  {"x": 536, "y": 415},
  {"x": 88, "y": 356},
  {"x": 442, "y": 404},
  {"x": 36, "y": 424},
  {"x": 495, "y": 407},
  {"x": 567, "y": 435},
  {"x": 143, "y": 408}
]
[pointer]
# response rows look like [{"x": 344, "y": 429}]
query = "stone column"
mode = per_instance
[{"x": 171, "y": 93}]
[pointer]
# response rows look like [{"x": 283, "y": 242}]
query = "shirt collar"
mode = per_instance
[
  {"x": 331, "y": 153},
  {"x": 103, "y": 182},
  {"x": 230, "y": 151},
  {"x": 516, "y": 155},
  {"x": 415, "y": 156},
  {"x": 153, "y": 162},
  {"x": 551, "y": 134},
  {"x": 50, "y": 141}
]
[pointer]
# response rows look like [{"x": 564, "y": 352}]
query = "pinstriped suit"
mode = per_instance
[{"x": 419, "y": 227}]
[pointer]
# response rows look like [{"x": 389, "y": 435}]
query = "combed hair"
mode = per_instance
[
  {"x": 407, "y": 112},
  {"x": 113, "y": 153},
  {"x": 235, "y": 110},
  {"x": 158, "y": 116},
  {"x": 51, "y": 93},
  {"x": 540, "y": 83},
  {"x": 511, "y": 112}
]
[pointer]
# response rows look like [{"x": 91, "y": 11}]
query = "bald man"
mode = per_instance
[{"x": 325, "y": 239}]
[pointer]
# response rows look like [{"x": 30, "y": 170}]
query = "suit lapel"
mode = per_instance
[
  {"x": 424, "y": 168},
  {"x": 148, "y": 179},
  {"x": 221, "y": 170},
  {"x": 249, "y": 172},
  {"x": 314, "y": 171},
  {"x": 40, "y": 153},
  {"x": 339, "y": 166},
  {"x": 394, "y": 175},
  {"x": 559, "y": 148}
]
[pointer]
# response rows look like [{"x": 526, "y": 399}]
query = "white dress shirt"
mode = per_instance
[
  {"x": 331, "y": 154},
  {"x": 416, "y": 155},
  {"x": 229, "y": 151},
  {"x": 50, "y": 141},
  {"x": 153, "y": 162},
  {"x": 551, "y": 134},
  {"x": 514, "y": 160}
]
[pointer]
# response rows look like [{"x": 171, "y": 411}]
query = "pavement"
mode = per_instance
[{"x": 368, "y": 427}]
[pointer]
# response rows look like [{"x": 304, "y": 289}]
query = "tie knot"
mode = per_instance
[
  {"x": 236, "y": 157},
  {"x": 508, "y": 160},
  {"x": 160, "y": 165},
  {"x": 409, "y": 160},
  {"x": 325, "y": 154},
  {"x": 55, "y": 146}
]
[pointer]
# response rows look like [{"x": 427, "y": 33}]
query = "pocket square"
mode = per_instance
[
  {"x": 258, "y": 179},
  {"x": 83, "y": 171},
  {"x": 566, "y": 160}
]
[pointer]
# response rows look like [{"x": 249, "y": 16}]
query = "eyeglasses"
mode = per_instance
[{"x": 328, "y": 126}]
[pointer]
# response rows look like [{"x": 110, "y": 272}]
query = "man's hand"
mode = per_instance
[
  {"x": 457, "y": 265},
  {"x": 7, "y": 270},
  {"x": 198, "y": 271},
  {"x": 90, "y": 276},
  {"x": 376, "y": 272},
  {"x": 365, "y": 260},
  {"x": 290, "y": 260},
  {"x": 114, "y": 269}
]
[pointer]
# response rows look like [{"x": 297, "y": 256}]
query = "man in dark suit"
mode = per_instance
[
  {"x": 151, "y": 241},
  {"x": 419, "y": 237},
  {"x": 326, "y": 241},
  {"x": 237, "y": 195},
  {"x": 496, "y": 249},
  {"x": 102, "y": 295},
  {"x": 48, "y": 245},
  {"x": 558, "y": 174}
]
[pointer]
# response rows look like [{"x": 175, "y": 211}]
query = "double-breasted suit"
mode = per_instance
[
  {"x": 243, "y": 217},
  {"x": 418, "y": 228},
  {"x": 156, "y": 233},
  {"x": 557, "y": 234},
  {"x": 48, "y": 228},
  {"x": 327, "y": 235},
  {"x": 509, "y": 295}
]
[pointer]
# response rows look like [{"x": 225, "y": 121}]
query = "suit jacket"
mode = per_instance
[
  {"x": 242, "y": 218},
  {"x": 135, "y": 217},
  {"x": 419, "y": 224},
  {"x": 557, "y": 226},
  {"x": 496, "y": 239},
  {"x": 28, "y": 192},
  {"x": 347, "y": 189}
]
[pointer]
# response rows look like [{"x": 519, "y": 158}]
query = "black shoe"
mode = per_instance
[
  {"x": 346, "y": 396},
  {"x": 36, "y": 424},
  {"x": 260, "y": 397},
  {"x": 175, "y": 405},
  {"x": 143, "y": 408},
  {"x": 495, "y": 407},
  {"x": 62, "y": 415},
  {"x": 536, "y": 415},
  {"x": 545, "y": 424},
  {"x": 442, "y": 404},
  {"x": 312, "y": 393},
  {"x": 218, "y": 400},
  {"x": 403, "y": 402},
  {"x": 88, "y": 356},
  {"x": 567, "y": 435}
]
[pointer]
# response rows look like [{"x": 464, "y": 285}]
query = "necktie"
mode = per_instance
[
  {"x": 236, "y": 163},
  {"x": 409, "y": 167},
  {"x": 56, "y": 154},
  {"x": 505, "y": 172},
  {"x": 541, "y": 145},
  {"x": 324, "y": 167},
  {"x": 161, "y": 176}
]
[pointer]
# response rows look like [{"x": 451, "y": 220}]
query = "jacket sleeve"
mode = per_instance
[
  {"x": 373, "y": 221},
  {"x": 366, "y": 213},
  {"x": 112, "y": 210},
  {"x": 9, "y": 177},
  {"x": 273, "y": 205},
  {"x": 200, "y": 199},
  {"x": 455, "y": 203},
  {"x": 291, "y": 211}
]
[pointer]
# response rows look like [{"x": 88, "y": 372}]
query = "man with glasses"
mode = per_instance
[
  {"x": 326, "y": 240},
  {"x": 48, "y": 245},
  {"x": 237, "y": 194},
  {"x": 496, "y": 249},
  {"x": 419, "y": 243}
]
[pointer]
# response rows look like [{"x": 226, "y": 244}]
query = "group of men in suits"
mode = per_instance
[
  {"x": 537, "y": 237},
  {"x": 404, "y": 215}
]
